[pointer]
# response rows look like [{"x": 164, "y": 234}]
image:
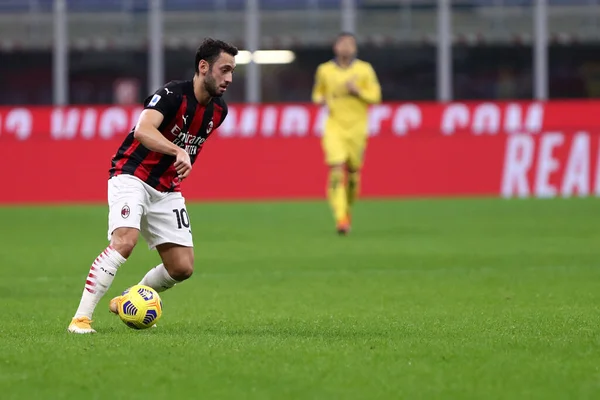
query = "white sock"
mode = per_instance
[
  {"x": 158, "y": 279},
  {"x": 101, "y": 275}
]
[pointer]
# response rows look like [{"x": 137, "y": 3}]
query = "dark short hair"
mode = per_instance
[
  {"x": 345, "y": 34},
  {"x": 211, "y": 49}
]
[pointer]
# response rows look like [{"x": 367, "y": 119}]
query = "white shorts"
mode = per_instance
[{"x": 160, "y": 217}]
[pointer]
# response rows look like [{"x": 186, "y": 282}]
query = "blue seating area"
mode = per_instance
[
  {"x": 237, "y": 5},
  {"x": 169, "y": 5}
]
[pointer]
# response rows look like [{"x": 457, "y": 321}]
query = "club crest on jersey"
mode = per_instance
[
  {"x": 210, "y": 126},
  {"x": 125, "y": 211}
]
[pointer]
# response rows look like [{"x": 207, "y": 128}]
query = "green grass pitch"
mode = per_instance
[{"x": 426, "y": 299}]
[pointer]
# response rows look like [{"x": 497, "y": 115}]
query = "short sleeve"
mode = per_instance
[
  {"x": 165, "y": 100},
  {"x": 318, "y": 92},
  {"x": 223, "y": 113}
]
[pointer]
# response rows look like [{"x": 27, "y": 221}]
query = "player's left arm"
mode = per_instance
[
  {"x": 318, "y": 92},
  {"x": 370, "y": 89}
]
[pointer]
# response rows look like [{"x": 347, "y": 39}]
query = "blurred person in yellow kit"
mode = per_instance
[{"x": 347, "y": 86}]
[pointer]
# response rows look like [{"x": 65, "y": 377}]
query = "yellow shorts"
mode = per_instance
[{"x": 344, "y": 147}]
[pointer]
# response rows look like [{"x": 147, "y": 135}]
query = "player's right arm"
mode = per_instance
[
  {"x": 318, "y": 93},
  {"x": 147, "y": 130}
]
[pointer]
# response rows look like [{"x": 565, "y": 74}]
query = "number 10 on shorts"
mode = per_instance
[{"x": 183, "y": 219}]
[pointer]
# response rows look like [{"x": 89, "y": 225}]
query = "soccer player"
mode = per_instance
[
  {"x": 347, "y": 86},
  {"x": 145, "y": 179}
]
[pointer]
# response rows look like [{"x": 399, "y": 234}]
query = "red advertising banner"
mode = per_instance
[{"x": 272, "y": 151}]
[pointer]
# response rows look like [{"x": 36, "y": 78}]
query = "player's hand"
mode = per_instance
[
  {"x": 352, "y": 86},
  {"x": 182, "y": 164}
]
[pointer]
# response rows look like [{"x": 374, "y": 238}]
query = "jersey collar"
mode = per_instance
[{"x": 339, "y": 66}]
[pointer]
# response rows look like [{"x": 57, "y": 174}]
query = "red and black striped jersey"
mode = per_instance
[{"x": 186, "y": 123}]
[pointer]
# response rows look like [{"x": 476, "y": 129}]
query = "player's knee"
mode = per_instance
[
  {"x": 124, "y": 240},
  {"x": 182, "y": 269},
  {"x": 353, "y": 174},
  {"x": 336, "y": 175},
  {"x": 335, "y": 168}
]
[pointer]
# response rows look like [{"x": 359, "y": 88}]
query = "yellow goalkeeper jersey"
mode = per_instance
[{"x": 345, "y": 109}]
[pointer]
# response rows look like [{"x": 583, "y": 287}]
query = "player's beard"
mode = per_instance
[{"x": 210, "y": 85}]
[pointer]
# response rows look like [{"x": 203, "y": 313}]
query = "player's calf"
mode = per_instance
[
  {"x": 178, "y": 260},
  {"x": 352, "y": 186},
  {"x": 177, "y": 266},
  {"x": 181, "y": 270},
  {"x": 101, "y": 275}
]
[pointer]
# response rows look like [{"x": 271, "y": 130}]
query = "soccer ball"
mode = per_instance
[{"x": 140, "y": 307}]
